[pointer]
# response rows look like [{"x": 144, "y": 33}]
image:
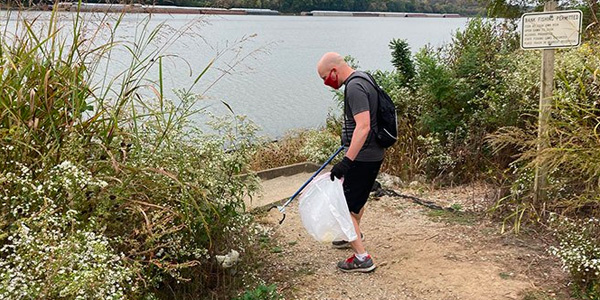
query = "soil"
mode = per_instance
[{"x": 420, "y": 253}]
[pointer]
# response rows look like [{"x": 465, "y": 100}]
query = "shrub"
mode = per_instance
[
  {"x": 438, "y": 112},
  {"x": 572, "y": 158},
  {"x": 459, "y": 94},
  {"x": 402, "y": 60},
  {"x": 107, "y": 192}
]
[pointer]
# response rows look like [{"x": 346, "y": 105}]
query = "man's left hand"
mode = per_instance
[{"x": 340, "y": 169}]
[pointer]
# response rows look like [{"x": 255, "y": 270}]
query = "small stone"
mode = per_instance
[{"x": 383, "y": 263}]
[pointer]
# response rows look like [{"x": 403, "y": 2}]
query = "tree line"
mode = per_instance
[{"x": 466, "y": 7}]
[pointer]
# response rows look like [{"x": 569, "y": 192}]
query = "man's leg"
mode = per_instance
[
  {"x": 360, "y": 214},
  {"x": 357, "y": 245},
  {"x": 357, "y": 186},
  {"x": 361, "y": 261}
]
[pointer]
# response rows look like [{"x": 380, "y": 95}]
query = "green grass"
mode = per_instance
[
  {"x": 538, "y": 295},
  {"x": 276, "y": 249},
  {"x": 452, "y": 217}
]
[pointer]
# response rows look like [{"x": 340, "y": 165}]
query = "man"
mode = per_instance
[{"x": 363, "y": 157}]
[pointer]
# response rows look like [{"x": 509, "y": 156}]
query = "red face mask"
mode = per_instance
[{"x": 330, "y": 81}]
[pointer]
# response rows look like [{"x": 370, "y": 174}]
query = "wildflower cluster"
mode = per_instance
[
  {"x": 320, "y": 144},
  {"x": 23, "y": 195},
  {"x": 437, "y": 159},
  {"x": 524, "y": 177},
  {"x": 71, "y": 178},
  {"x": 579, "y": 249},
  {"x": 47, "y": 253}
]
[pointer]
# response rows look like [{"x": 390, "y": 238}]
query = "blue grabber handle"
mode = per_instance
[{"x": 282, "y": 207}]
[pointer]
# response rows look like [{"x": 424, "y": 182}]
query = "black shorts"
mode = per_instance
[{"x": 358, "y": 183}]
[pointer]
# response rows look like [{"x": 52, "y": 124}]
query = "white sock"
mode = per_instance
[{"x": 362, "y": 257}]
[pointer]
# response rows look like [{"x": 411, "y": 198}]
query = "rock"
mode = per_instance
[
  {"x": 389, "y": 181},
  {"x": 383, "y": 264}
]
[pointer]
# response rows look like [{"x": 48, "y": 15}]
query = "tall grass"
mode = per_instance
[{"x": 113, "y": 162}]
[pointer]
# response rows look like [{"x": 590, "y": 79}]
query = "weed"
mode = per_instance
[
  {"x": 262, "y": 292},
  {"x": 452, "y": 217},
  {"x": 537, "y": 295},
  {"x": 457, "y": 207}
]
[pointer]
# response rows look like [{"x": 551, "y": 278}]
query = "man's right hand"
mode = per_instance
[{"x": 340, "y": 169}]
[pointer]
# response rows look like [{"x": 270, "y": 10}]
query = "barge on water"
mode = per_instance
[{"x": 324, "y": 13}]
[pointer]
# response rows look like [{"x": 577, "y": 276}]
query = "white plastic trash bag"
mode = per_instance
[{"x": 324, "y": 211}]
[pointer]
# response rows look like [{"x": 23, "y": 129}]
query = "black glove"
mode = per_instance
[{"x": 340, "y": 169}]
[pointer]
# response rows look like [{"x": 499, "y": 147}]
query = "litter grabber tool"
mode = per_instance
[{"x": 281, "y": 208}]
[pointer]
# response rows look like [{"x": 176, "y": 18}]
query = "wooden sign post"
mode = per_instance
[
  {"x": 546, "y": 89},
  {"x": 548, "y": 31}
]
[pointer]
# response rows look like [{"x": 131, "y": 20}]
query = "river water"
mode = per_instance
[{"x": 268, "y": 62}]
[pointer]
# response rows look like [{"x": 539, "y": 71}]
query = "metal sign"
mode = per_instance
[{"x": 551, "y": 30}]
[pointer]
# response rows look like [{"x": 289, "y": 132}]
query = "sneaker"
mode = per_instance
[
  {"x": 352, "y": 264},
  {"x": 345, "y": 244}
]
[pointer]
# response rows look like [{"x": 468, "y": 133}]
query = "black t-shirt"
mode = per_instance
[{"x": 360, "y": 96}]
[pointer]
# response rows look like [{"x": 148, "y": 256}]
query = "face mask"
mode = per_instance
[{"x": 330, "y": 81}]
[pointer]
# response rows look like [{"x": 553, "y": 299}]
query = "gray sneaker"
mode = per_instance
[
  {"x": 352, "y": 264},
  {"x": 345, "y": 244}
]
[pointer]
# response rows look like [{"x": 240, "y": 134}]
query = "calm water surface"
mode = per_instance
[{"x": 270, "y": 75}]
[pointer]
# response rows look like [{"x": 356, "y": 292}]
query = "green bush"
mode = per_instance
[
  {"x": 262, "y": 292},
  {"x": 459, "y": 93},
  {"x": 402, "y": 60},
  {"x": 439, "y": 112}
]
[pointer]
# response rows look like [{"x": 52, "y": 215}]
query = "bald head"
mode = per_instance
[
  {"x": 329, "y": 61},
  {"x": 333, "y": 61}
]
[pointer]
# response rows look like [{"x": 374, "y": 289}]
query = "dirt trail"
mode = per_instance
[{"x": 420, "y": 253}]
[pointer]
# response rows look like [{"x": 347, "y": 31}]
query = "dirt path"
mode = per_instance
[{"x": 420, "y": 253}]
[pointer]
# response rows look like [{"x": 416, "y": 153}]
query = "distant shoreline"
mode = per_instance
[{"x": 155, "y": 9}]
